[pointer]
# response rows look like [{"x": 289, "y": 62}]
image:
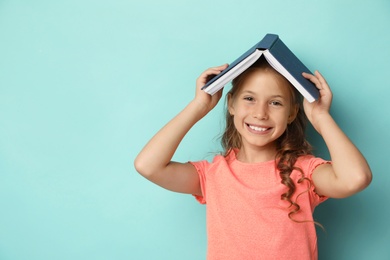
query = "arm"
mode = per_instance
[
  {"x": 349, "y": 172},
  {"x": 154, "y": 160}
]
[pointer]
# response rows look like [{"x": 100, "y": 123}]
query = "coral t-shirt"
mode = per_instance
[{"x": 246, "y": 218}]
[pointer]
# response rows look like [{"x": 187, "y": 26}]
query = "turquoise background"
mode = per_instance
[{"x": 85, "y": 84}]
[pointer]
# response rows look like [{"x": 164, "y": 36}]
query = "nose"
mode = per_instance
[{"x": 260, "y": 112}]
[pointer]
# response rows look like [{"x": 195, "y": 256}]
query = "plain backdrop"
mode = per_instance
[{"x": 85, "y": 84}]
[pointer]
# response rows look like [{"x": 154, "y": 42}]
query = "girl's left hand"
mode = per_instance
[{"x": 315, "y": 110}]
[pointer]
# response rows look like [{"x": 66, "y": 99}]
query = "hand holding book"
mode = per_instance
[
  {"x": 316, "y": 110},
  {"x": 208, "y": 102}
]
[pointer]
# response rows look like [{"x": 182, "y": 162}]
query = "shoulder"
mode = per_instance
[
  {"x": 309, "y": 163},
  {"x": 218, "y": 159},
  {"x": 219, "y": 162}
]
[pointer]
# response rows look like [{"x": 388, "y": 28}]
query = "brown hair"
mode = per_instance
[{"x": 290, "y": 145}]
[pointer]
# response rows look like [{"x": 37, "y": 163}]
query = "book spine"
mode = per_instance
[{"x": 267, "y": 42}]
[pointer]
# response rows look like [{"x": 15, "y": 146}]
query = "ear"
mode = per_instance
[
  {"x": 230, "y": 104},
  {"x": 293, "y": 113}
]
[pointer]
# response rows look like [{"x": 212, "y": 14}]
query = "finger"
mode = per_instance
[
  {"x": 207, "y": 74},
  {"x": 312, "y": 78},
  {"x": 322, "y": 80},
  {"x": 318, "y": 80},
  {"x": 216, "y": 70},
  {"x": 223, "y": 66}
]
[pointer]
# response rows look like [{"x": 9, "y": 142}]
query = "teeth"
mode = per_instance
[{"x": 257, "y": 128}]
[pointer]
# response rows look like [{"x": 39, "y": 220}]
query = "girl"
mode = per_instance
[{"x": 262, "y": 191}]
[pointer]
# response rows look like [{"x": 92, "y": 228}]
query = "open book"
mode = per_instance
[{"x": 279, "y": 56}]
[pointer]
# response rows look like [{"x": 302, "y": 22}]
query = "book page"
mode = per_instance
[{"x": 282, "y": 70}]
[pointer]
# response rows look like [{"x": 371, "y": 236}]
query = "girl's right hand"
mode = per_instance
[{"x": 207, "y": 101}]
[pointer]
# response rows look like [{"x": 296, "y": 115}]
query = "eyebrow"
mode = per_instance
[
  {"x": 272, "y": 96},
  {"x": 278, "y": 96}
]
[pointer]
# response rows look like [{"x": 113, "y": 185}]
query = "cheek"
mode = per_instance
[
  {"x": 238, "y": 122},
  {"x": 283, "y": 119},
  {"x": 239, "y": 115}
]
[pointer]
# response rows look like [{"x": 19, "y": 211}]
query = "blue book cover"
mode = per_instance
[{"x": 281, "y": 59}]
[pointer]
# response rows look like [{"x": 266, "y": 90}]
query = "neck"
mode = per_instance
[{"x": 256, "y": 155}]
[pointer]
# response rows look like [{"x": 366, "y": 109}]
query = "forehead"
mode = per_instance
[{"x": 265, "y": 82}]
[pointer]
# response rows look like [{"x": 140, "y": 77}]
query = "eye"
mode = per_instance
[
  {"x": 276, "y": 103},
  {"x": 248, "y": 98}
]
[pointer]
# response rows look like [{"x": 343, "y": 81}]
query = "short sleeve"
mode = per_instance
[
  {"x": 311, "y": 164},
  {"x": 200, "y": 167}
]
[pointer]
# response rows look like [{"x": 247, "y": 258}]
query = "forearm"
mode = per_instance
[{"x": 158, "y": 152}]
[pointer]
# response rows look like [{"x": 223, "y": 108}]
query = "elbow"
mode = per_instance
[
  {"x": 359, "y": 182},
  {"x": 141, "y": 167},
  {"x": 366, "y": 179},
  {"x": 146, "y": 168}
]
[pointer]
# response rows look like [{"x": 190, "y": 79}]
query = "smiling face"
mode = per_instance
[{"x": 261, "y": 109}]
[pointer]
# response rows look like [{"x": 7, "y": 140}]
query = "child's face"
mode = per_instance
[{"x": 261, "y": 110}]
